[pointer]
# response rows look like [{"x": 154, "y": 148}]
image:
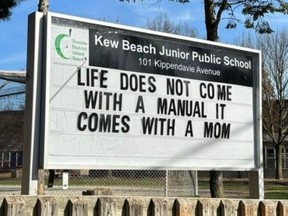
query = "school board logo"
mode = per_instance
[{"x": 69, "y": 47}]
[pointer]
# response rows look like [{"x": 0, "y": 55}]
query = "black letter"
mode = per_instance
[
  {"x": 170, "y": 87},
  {"x": 93, "y": 76},
  {"x": 151, "y": 81},
  {"x": 104, "y": 123},
  {"x": 79, "y": 77},
  {"x": 117, "y": 102},
  {"x": 147, "y": 125},
  {"x": 107, "y": 94},
  {"x": 226, "y": 131},
  {"x": 162, "y": 106},
  {"x": 189, "y": 129},
  {"x": 208, "y": 129},
  {"x": 79, "y": 126},
  {"x": 126, "y": 127},
  {"x": 123, "y": 85},
  {"x": 140, "y": 104},
  {"x": 133, "y": 85},
  {"x": 115, "y": 124},
  {"x": 103, "y": 78},
  {"x": 171, "y": 127},
  {"x": 202, "y": 85},
  {"x": 93, "y": 118},
  {"x": 142, "y": 83},
  {"x": 90, "y": 99}
]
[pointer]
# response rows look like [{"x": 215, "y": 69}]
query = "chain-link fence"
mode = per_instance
[
  {"x": 77, "y": 182},
  {"x": 161, "y": 183}
]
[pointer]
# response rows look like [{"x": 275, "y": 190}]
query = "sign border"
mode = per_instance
[{"x": 46, "y": 86}]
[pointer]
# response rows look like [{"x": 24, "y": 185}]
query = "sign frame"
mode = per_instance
[{"x": 46, "y": 163}]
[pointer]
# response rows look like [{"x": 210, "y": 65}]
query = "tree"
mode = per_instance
[
  {"x": 254, "y": 12},
  {"x": 162, "y": 23},
  {"x": 274, "y": 49},
  {"x": 275, "y": 91},
  {"x": 43, "y": 6},
  {"x": 6, "y": 6}
]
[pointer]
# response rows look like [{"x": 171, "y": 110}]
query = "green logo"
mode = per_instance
[
  {"x": 68, "y": 47},
  {"x": 61, "y": 47}
]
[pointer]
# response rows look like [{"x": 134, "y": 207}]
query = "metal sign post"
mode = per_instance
[{"x": 32, "y": 133}]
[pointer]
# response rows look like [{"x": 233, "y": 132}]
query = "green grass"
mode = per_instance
[
  {"x": 276, "y": 190},
  {"x": 107, "y": 182},
  {"x": 10, "y": 181},
  {"x": 272, "y": 189},
  {"x": 279, "y": 195},
  {"x": 228, "y": 185}
]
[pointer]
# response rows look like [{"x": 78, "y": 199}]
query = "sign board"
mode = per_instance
[{"x": 117, "y": 97}]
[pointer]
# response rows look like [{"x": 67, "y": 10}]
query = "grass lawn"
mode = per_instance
[
  {"x": 240, "y": 189},
  {"x": 232, "y": 189},
  {"x": 276, "y": 190}
]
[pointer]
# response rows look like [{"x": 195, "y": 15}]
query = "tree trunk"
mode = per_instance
[
  {"x": 43, "y": 6},
  {"x": 211, "y": 21},
  {"x": 216, "y": 184},
  {"x": 278, "y": 170}
]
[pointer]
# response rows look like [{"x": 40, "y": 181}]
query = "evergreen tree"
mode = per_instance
[{"x": 6, "y": 6}]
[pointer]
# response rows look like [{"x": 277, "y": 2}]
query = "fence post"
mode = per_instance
[
  {"x": 207, "y": 207},
  {"x": 14, "y": 206},
  {"x": 157, "y": 207},
  {"x": 256, "y": 184},
  {"x": 77, "y": 207},
  {"x": 282, "y": 208},
  {"x": 248, "y": 207},
  {"x": 268, "y": 208},
  {"x": 135, "y": 207},
  {"x": 105, "y": 206},
  {"x": 47, "y": 206},
  {"x": 229, "y": 207},
  {"x": 185, "y": 207}
]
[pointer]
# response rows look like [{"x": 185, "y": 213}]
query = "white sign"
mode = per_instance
[{"x": 118, "y": 97}]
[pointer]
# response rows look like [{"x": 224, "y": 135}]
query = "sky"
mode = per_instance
[{"x": 13, "y": 37}]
